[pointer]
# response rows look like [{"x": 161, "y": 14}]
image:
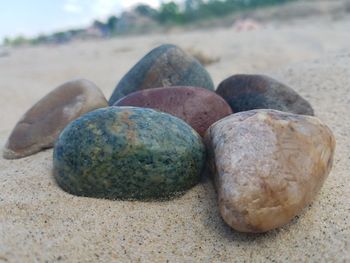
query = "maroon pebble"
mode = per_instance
[{"x": 199, "y": 107}]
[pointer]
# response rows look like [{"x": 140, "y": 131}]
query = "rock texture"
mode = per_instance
[
  {"x": 128, "y": 153},
  {"x": 199, "y": 107},
  {"x": 268, "y": 166},
  {"x": 249, "y": 92},
  {"x": 164, "y": 66},
  {"x": 41, "y": 125}
]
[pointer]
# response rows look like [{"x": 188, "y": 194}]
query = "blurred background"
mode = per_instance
[
  {"x": 45, "y": 43},
  {"x": 61, "y": 21}
]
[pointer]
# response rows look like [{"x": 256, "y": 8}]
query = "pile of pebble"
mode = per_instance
[{"x": 268, "y": 155}]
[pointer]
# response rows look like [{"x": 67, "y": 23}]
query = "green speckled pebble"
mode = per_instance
[
  {"x": 164, "y": 66},
  {"x": 128, "y": 153}
]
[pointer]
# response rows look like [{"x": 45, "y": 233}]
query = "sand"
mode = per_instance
[{"x": 41, "y": 223}]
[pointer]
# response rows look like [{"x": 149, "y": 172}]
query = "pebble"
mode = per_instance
[
  {"x": 128, "y": 153},
  {"x": 199, "y": 107},
  {"x": 268, "y": 165},
  {"x": 165, "y": 66},
  {"x": 41, "y": 125},
  {"x": 249, "y": 92}
]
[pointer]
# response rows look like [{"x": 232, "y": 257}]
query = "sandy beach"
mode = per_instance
[{"x": 39, "y": 222}]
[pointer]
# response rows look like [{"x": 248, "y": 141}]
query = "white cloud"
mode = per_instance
[
  {"x": 104, "y": 7},
  {"x": 85, "y": 11},
  {"x": 72, "y": 6},
  {"x": 129, "y": 3},
  {"x": 100, "y": 8},
  {"x": 107, "y": 7}
]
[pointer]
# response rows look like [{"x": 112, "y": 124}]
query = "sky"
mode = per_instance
[{"x": 33, "y": 17}]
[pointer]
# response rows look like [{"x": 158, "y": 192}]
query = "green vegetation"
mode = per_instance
[
  {"x": 195, "y": 10},
  {"x": 17, "y": 41},
  {"x": 168, "y": 14}
]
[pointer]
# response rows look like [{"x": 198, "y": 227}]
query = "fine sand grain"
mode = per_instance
[{"x": 41, "y": 223}]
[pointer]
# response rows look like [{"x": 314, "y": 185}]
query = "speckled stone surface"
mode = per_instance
[
  {"x": 128, "y": 153},
  {"x": 268, "y": 166},
  {"x": 197, "y": 106},
  {"x": 164, "y": 66},
  {"x": 41, "y": 125},
  {"x": 249, "y": 92}
]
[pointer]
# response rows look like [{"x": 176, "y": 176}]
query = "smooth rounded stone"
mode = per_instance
[
  {"x": 164, "y": 66},
  {"x": 249, "y": 92},
  {"x": 268, "y": 166},
  {"x": 199, "y": 107},
  {"x": 128, "y": 153},
  {"x": 41, "y": 125}
]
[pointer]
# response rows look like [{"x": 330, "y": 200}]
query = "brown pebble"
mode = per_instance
[
  {"x": 41, "y": 125},
  {"x": 268, "y": 166}
]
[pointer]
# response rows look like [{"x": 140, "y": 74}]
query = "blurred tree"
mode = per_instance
[
  {"x": 170, "y": 13},
  {"x": 102, "y": 27},
  {"x": 19, "y": 41},
  {"x": 6, "y": 41},
  {"x": 192, "y": 5},
  {"x": 146, "y": 10},
  {"x": 112, "y": 24},
  {"x": 41, "y": 39},
  {"x": 60, "y": 37},
  {"x": 98, "y": 24},
  {"x": 192, "y": 8}
]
